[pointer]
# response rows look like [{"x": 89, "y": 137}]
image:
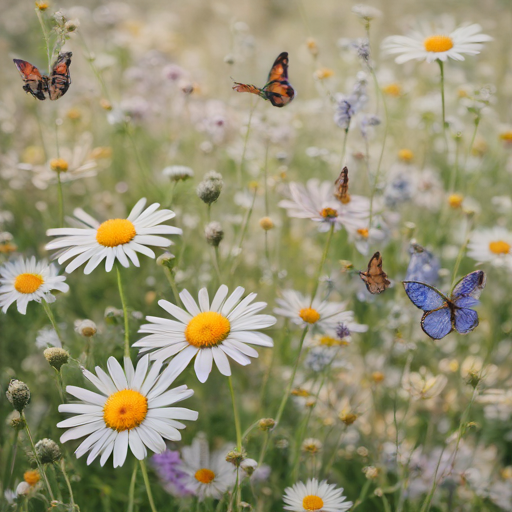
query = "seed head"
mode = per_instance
[
  {"x": 214, "y": 233},
  {"x": 267, "y": 424},
  {"x": 56, "y": 357},
  {"x": 48, "y": 451},
  {"x": 15, "y": 421},
  {"x": 86, "y": 328},
  {"x": 236, "y": 457},
  {"x": 18, "y": 394},
  {"x": 210, "y": 188}
]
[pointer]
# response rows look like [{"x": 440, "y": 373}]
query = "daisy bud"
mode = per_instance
[
  {"x": 166, "y": 260},
  {"x": 59, "y": 165},
  {"x": 18, "y": 394},
  {"x": 42, "y": 6},
  {"x": 371, "y": 472},
  {"x": 71, "y": 25},
  {"x": 267, "y": 424},
  {"x": 210, "y": 188},
  {"x": 105, "y": 104},
  {"x": 213, "y": 233},
  {"x": 56, "y": 357},
  {"x": 112, "y": 313},
  {"x": 32, "y": 476},
  {"x": 311, "y": 445},
  {"x": 249, "y": 466},
  {"x": 86, "y": 328},
  {"x": 266, "y": 223},
  {"x": 16, "y": 421},
  {"x": 23, "y": 489},
  {"x": 348, "y": 417},
  {"x": 178, "y": 172},
  {"x": 236, "y": 457},
  {"x": 48, "y": 451},
  {"x": 473, "y": 378}
]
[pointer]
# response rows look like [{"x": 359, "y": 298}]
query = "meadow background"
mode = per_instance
[{"x": 151, "y": 88}]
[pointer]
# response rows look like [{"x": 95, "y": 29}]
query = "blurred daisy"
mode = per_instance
[
  {"x": 322, "y": 314},
  {"x": 315, "y": 495},
  {"x": 114, "y": 239},
  {"x": 493, "y": 246},
  {"x": 431, "y": 45},
  {"x": 316, "y": 201},
  {"x": 211, "y": 331},
  {"x": 208, "y": 475},
  {"x": 132, "y": 410},
  {"x": 48, "y": 337},
  {"x": 23, "y": 281}
]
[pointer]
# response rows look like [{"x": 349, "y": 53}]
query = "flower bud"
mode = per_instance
[
  {"x": 348, "y": 417},
  {"x": 48, "y": 451},
  {"x": 213, "y": 233},
  {"x": 267, "y": 424},
  {"x": 56, "y": 357},
  {"x": 59, "y": 165},
  {"x": 249, "y": 466},
  {"x": 18, "y": 394},
  {"x": 210, "y": 188},
  {"x": 266, "y": 223},
  {"x": 235, "y": 457},
  {"x": 23, "y": 489},
  {"x": 86, "y": 328},
  {"x": 15, "y": 421},
  {"x": 371, "y": 472},
  {"x": 178, "y": 173},
  {"x": 166, "y": 260}
]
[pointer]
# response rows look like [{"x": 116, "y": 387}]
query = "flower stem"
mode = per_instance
[
  {"x": 125, "y": 314},
  {"x": 131, "y": 492},
  {"x": 146, "y": 483},
  {"x": 236, "y": 416},
  {"x": 174, "y": 288},
  {"x": 441, "y": 68},
  {"x": 39, "y": 465},
  {"x": 61, "y": 200},
  {"x": 51, "y": 317},
  {"x": 46, "y": 38},
  {"x": 246, "y": 138},
  {"x": 322, "y": 262},
  {"x": 68, "y": 483}
]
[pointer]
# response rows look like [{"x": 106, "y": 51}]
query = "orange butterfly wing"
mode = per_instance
[
  {"x": 279, "y": 69},
  {"x": 35, "y": 83},
  {"x": 60, "y": 79},
  {"x": 375, "y": 279}
]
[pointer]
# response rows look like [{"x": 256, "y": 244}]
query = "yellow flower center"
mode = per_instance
[
  {"x": 59, "y": 165},
  {"x": 115, "y": 232},
  {"x": 393, "y": 89},
  {"x": 506, "y": 136},
  {"x": 438, "y": 43},
  {"x": 309, "y": 315},
  {"x": 28, "y": 283},
  {"x": 324, "y": 73},
  {"x": 329, "y": 213},
  {"x": 31, "y": 477},
  {"x": 455, "y": 200},
  {"x": 312, "y": 502},
  {"x": 363, "y": 232},
  {"x": 499, "y": 247},
  {"x": 406, "y": 155},
  {"x": 207, "y": 329},
  {"x": 328, "y": 341},
  {"x": 125, "y": 410},
  {"x": 205, "y": 476}
]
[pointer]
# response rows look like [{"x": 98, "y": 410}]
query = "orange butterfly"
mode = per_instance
[
  {"x": 341, "y": 185},
  {"x": 375, "y": 279},
  {"x": 278, "y": 90},
  {"x": 55, "y": 85}
]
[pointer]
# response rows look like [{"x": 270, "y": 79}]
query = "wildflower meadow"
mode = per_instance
[{"x": 255, "y": 256}]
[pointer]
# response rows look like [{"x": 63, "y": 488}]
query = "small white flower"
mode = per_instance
[
  {"x": 132, "y": 410},
  {"x": 315, "y": 495},
  {"x": 23, "y": 281},
  {"x": 114, "y": 239},
  {"x": 493, "y": 246},
  {"x": 209, "y": 475},
  {"x": 316, "y": 201},
  {"x": 178, "y": 172},
  {"x": 209, "y": 331},
  {"x": 366, "y": 12},
  {"x": 324, "y": 315},
  {"x": 438, "y": 44},
  {"x": 47, "y": 337}
]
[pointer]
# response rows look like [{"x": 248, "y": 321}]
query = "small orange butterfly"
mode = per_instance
[
  {"x": 341, "y": 186},
  {"x": 278, "y": 90},
  {"x": 375, "y": 279},
  {"x": 55, "y": 85}
]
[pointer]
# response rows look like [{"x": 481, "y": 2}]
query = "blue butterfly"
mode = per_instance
[{"x": 443, "y": 314}]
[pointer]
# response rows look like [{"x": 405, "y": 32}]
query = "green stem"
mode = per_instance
[
  {"x": 344, "y": 147},
  {"x": 334, "y": 453},
  {"x": 174, "y": 288},
  {"x": 125, "y": 314},
  {"x": 362, "y": 496},
  {"x": 61, "y": 200},
  {"x": 51, "y": 317},
  {"x": 146, "y": 483},
  {"x": 263, "y": 448},
  {"x": 461, "y": 252},
  {"x": 242, "y": 160},
  {"x": 38, "y": 462},
  {"x": 441, "y": 68},
  {"x": 131, "y": 492},
  {"x": 13, "y": 462},
  {"x": 236, "y": 416},
  {"x": 60, "y": 385},
  {"x": 46, "y": 38},
  {"x": 322, "y": 262},
  {"x": 68, "y": 483}
]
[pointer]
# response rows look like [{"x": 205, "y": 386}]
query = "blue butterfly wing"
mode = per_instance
[
  {"x": 465, "y": 320},
  {"x": 424, "y": 296},
  {"x": 438, "y": 323},
  {"x": 470, "y": 285},
  {"x": 466, "y": 302}
]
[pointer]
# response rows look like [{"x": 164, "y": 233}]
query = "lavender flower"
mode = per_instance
[{"x": 167, "y": 465}]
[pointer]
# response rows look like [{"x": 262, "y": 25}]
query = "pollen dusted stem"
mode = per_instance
[
  {"x": 125, "y": 314},
  {"x": 146, "y": 483}
]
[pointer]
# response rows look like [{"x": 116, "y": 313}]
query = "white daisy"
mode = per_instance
[
  {"x": 113, "y": 239},
  {"x": 26, "y": 280},
  {"x": 316, "y": 201},
  {"x": 438, "y": 44},
  {"x": 493, "y": 246},
  {"x": 132, "y": 410},
  {"x": 208, "y": 475},
  {"x": 326, "y": 316},
  {"x": 211, "y": 331},
  {"x": 315, "y": 495}
]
